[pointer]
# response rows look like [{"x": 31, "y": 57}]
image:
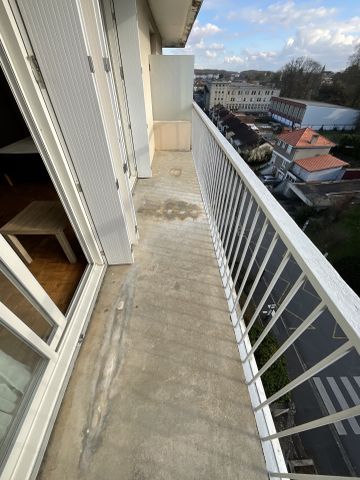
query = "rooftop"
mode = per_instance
[
  {"x": 320, "y": 162},
  {"x": 302, "y": 138},
  {"x": 237, "y": 83},
  {"x": 312, "y": 103}
]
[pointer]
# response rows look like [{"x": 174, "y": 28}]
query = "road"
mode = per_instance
[{"x": 334, "y": 449}]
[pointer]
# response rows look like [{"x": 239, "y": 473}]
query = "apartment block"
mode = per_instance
[{"x": 237, "y": 96}]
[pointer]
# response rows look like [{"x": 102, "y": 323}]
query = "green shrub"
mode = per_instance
[{"x": 276, "y": 377}]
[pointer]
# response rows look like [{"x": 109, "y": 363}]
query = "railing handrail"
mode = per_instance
[{"x": 340, "y": 299}]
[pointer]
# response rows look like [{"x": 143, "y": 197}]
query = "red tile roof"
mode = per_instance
[
  {"x": 321, "y": 162},
  {"x": 302, "y": 138}
]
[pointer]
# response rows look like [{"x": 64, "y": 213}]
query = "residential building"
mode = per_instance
[
  {"x": 131, "y": 232},
  {"x": 298, "y": 145},
  {"x": 242, "y": 136},
  {"x": 238, "y": 96},
  {"x": 322, "y": 168},
  {"x": 308, "y": 113}
]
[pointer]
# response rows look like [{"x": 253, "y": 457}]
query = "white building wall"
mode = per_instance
[
  {"x": 172, "y": 112},
  {"x": 329, "y": 117},
  {"x": 241, "y": 97},
  {"x": 148, "y": 45},
  {"x": 171, "y": 86},
  {"x": 309, "y": 152},
  {"x": 330, "y": 174}
]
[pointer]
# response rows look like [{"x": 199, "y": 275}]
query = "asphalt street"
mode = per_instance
[{"x": 334, "y": 449}]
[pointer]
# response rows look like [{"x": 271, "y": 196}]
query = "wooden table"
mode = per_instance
[
  {"x": 24, "y": 146},
  {"x": 39, "y": 218}
]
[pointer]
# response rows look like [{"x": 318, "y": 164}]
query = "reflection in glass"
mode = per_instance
[
  {"x": 18, "y": 367},
  {"x": 22, "y": 308}
]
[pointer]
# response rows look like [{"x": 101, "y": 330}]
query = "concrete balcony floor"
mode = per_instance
[{"x": 158, "y": 390}]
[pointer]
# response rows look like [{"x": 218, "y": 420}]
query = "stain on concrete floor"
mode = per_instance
[
  {"x": 170, "y": 209},
  {"x": 175, "y": 172}
]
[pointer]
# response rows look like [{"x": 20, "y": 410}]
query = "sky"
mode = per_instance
[{"x": 264, "y": 34}]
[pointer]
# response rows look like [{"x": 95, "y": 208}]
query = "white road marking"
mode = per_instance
[
  {"x": 328, "y": 404},
  {"x": 357, "y": 380},
  {"x": 343, "y": 403},
  {"x": 351, "y": 390}
]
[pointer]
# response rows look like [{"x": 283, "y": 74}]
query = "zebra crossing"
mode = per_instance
[{"x": 340, "y": 394}]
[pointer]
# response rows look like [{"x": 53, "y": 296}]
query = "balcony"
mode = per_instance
[{"x": 159, "y": 389}]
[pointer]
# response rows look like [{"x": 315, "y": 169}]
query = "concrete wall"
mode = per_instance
[
  {"x": 309, "y": 152},
  {"x": 278, "y": 162},
  {"x": 172, "y": 86},
  {"x": 329, "y": 117},
  {"x": 172, "y": 93},
  {"x": 174, "y": 136},
  {"x": 149, "y": 40}
]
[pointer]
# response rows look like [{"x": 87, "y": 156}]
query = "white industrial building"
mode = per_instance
[
  {"x": 237, "y": 96},
  {"x": 308, "y": 113}
]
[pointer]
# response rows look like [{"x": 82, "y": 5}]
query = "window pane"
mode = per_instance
[
  {"x": 18, "y": 367},
  {"x": 18, "y": 304}
]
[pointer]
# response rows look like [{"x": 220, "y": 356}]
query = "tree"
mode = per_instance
[
  {"x": 345, "y": 88},
  {"x": 332, "y": 93},
  {"x": 354, "y": 59},
  {"x": 301, "y": 78}
]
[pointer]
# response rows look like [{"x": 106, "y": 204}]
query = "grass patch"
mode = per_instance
[{"x": 276, "y": 377}]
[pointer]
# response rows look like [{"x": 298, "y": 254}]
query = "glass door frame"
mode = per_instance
[{"x": 60, "y": 353}]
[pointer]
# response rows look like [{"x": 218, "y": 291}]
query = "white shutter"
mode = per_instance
[{"x": 56, "y": 34}]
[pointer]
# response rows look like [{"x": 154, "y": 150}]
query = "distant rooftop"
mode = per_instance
[
  {"x": 313, "y": 103},
  {"x": 242, "y": 84},
  {"x": 304, "y": 137},
  {"x": 321, "y": 162}
]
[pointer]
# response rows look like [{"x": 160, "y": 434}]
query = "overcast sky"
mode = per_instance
[{"x": 263, "y": 34}]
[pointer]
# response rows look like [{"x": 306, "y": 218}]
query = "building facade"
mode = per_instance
[
  {"x": 322, "y": 168},
  {"x": 316, "y": 115},
  {"x": 237, "y": 96},
  {"x": 303, "y": 155}
]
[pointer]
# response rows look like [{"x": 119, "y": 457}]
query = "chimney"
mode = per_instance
[{"x": 314, "y": 139}]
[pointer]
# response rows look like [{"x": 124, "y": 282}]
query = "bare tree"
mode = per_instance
[
  {"x": 301, "y": 78},
  {"x": 354, "y": 59}
]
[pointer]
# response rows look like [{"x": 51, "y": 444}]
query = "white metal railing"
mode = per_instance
[{"x": 253, "y": 235}]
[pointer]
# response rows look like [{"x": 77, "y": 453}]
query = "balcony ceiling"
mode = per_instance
[{"x": 174, "y": 19}]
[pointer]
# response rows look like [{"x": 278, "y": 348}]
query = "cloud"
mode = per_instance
[
  {"x": 217, "y": 46},
  {"x": 234, "y": 59},
  {"x": 210, "y": 54},
  {"x": 200, "y": 44},
  {"x": 276, "y": 34},
  {"x": 330, "y": 45},
  {"x": 283, "y": 13},
  {"x": 201, "y": 31}
]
